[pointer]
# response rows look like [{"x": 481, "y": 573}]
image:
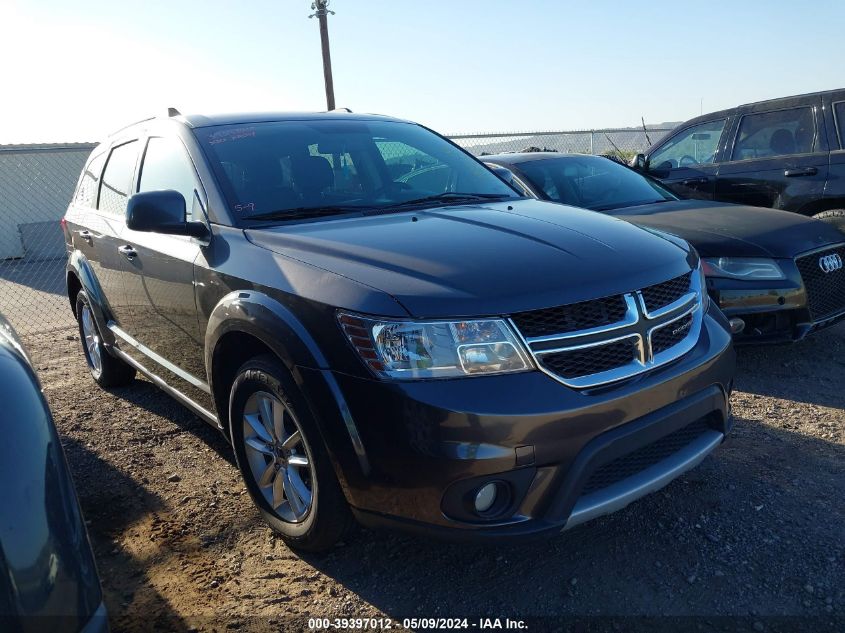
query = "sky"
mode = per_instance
[{"x": 76, "y": 71}]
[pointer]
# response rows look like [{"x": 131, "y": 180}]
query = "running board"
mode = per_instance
[
  {"x": 159, "y": 382},
  {"x": 161, "y": 360}
]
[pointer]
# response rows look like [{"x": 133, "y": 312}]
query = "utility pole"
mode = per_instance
[{"x": 321, "y": 11}]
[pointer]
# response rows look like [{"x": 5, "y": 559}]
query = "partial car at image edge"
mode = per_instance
[{"x": 48, "y": 577}]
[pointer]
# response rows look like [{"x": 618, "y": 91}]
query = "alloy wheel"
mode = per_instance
[
  {"x": 91, "y": 340},
  {"x": 279, "y": 458}
]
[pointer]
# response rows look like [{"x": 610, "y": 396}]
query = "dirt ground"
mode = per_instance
[{"x": 757, "y": 531}]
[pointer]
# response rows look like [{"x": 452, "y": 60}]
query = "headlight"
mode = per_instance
[
  {"x": 435, "y": 349},
  {"x": 742, "y": 268}
]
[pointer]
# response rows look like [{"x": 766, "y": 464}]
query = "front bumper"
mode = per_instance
[
  {"x": 772, "y": 314},
  {"x": 431, "y": 443}
]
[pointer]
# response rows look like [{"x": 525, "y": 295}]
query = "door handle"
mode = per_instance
[
  {"x": 694, "y": 181},
  {"x": 86, "y": 235},
  {"x": 809, "y": 171},
  {"x": 127, "y": 251}
]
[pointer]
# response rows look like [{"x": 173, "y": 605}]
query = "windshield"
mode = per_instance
[
  {"x": 592, "y": 182},
  {"x": 311, "y": 168}
]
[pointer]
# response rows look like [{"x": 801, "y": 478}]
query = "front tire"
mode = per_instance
[
  {"x": 106, "y": 370},
  {"x": 282, "y": 458}
]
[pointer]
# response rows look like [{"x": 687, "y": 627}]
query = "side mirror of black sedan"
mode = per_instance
[
  {"x": 161, "y": 212},
  {"x": 639, "y": 162}
]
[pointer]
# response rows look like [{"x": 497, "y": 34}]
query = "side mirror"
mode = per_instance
[
  {"x": 161, "y": 212},
  {"x": 639, "y": 162}
]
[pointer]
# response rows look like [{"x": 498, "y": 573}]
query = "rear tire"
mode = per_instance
[
  {"x": 283, "y": 461},
  {"x": 836, "y": 217},
  {"x": 106, "y": 370}
]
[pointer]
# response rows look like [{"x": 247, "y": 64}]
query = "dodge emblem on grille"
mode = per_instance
[{"x": 829, "y": 263}]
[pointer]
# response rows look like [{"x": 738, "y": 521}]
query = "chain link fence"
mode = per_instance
[
  {"x": 37, "y": 181},
  {"x": 620, "y": 143}
]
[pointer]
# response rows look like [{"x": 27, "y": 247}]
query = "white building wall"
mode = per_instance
[{"x": 36, "y": 183}]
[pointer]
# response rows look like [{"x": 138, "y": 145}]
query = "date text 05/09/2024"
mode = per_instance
[{"x": 363, "y": 624}]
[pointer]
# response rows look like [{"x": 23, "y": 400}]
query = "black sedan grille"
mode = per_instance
[
  {"x": 662, "y": 294},
  {"x": 825, "y": 290},
  {"x": 645, "y": 457},
  {"x": 592, "y": 360},
  {"x": 569, "y": 318}
]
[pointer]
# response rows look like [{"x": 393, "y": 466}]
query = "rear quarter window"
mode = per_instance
[
  {"x": 117, "y": 178},
  {"x": 86, "y": 193}
]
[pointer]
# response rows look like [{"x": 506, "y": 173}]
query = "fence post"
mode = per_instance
[{"x": 592, "y": 133}]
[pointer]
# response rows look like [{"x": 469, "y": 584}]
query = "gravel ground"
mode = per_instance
[{"x": 757, "y": 531}]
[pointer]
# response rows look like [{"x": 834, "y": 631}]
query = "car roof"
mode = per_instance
[
  {"x": 238, "y": 118},
  {"x": 727, "y": 111},
  {"x": 246, "y": 118}
]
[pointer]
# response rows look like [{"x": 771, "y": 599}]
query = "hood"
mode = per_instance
[
  {"x": 718, "y": 229},
  {"x": 485, "y": 259}
]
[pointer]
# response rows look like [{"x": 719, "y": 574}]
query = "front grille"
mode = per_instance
[
  {"x": 569, "y": 318},
  {"x": 592, "y": 360},
  {"x": 591, "y": 343},
  {"x": 670, "y": 335},
  {"x": 645, "y": 457},
  {"x": 825, "y": 291},
  {"x": 662, "y": 294}
]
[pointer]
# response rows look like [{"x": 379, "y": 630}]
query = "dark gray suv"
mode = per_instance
[
  {"x": 784, "y": 153},
  {"x": 383, "y": 328}
]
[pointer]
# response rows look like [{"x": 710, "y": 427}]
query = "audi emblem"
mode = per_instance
[{"x": 829, "y": 263}]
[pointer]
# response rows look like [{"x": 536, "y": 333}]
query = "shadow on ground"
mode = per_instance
[
  {"x": 144, "y": 394},
  {"x": 112, "y": 503}
]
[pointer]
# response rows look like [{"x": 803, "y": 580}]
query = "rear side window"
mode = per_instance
[
  {"x": 778, "y": 133},
  {"x": 696, "y": 145},
  {"x": 167, "y": 166},
  {"x": 86, "y": 194},
  {"x": 117, "y": 179},
  {"x": 839, "y": 114}
]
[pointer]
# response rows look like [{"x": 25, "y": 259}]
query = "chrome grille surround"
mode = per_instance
[{"x": 638, "y": 324}]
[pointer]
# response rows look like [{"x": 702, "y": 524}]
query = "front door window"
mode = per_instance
[{"x": 696, "y": 145}]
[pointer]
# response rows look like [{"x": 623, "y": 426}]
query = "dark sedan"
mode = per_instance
[
  {"x": 777, "y": 275},
  {"x": 48, "y": 580}
]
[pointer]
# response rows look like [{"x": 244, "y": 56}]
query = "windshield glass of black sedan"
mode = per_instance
[
  {"x": 592, "y": 183},
  {"x": 274, "y": 167}
]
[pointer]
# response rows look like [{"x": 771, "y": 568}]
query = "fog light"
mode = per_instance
[{"x": 485, "y": 497}]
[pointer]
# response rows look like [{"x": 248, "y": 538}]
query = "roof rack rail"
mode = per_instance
[
  {"x": 126, "y": 127},
  {"x": 341, "y": 110}
]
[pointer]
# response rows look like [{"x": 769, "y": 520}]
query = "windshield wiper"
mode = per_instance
[
  {"x": 447, "y": 196},
  {"x": 305, "y": 213}
]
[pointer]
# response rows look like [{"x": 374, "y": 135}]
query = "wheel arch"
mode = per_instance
[
  {"x": 247, "y": 323},
  {"x": 80, "y": 276}
]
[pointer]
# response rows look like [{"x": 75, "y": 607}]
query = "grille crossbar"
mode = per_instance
[{"x": 657, "y": 325}]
